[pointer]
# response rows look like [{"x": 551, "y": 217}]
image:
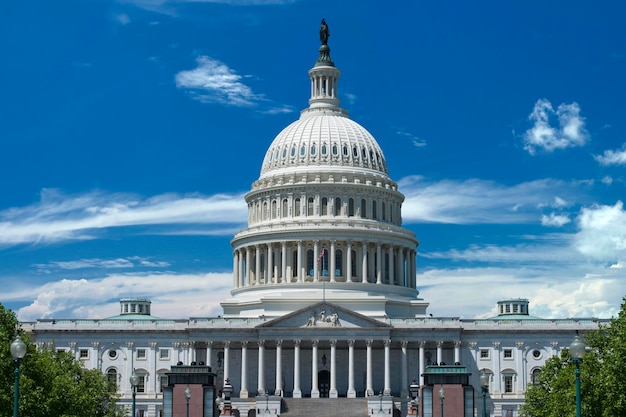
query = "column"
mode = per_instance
[
  {"x": 315, "y": 392},
  {"x": 379, "y": 264},
  {"x": 261, "y": 376},
  {"x": 495, "y": 361},
  {"x": 333, "y": 265},
  {"x": 332, "y": 393},
  {"x": 248, "y": 266},
  {"x": 226, "y": 362},
  {"x": 421, "y": 361},
  {"x": 439, "y": 352},
  {"x": 269, "y": 274},
  {"x": 283, "y": 266},
  {"x": 297, "y": 392},
  {"x": 457, "y": 352},
  {"x": 348, "y": 273},
  {"x": 364, "y": 263},
  {"x": 244, "y": 370},
  {"x": 404, "y": 388},
  {"x": 300, "y": 272},
  {"x": 401, "y": 272},
  {"x": 257, "y": 266},
  {"x": 387, "y": 388},
  {"x": 369, "y": 389},
  {"x": 392, "y": 273},
  {"x": 351, "y": 390},
  {"x": 316, "y": 267},
  {"x": 279, "y": 368},
  {"x": 236, "y": 268}
]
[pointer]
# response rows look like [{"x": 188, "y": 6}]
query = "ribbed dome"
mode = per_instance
[{"x": 323, "y": 138}]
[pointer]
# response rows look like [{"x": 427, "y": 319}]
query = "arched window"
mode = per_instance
[
  {"x": 297, "y": 208},
  {"x": 283, "y": 210},
  {"x": 384, "y": 206},
  {"x": 302, "y": 150},
  {"x": 313, "y": 149},
  {"x": 309, "y": 262},
  {"x": 309, "y": 207},
  {"x": 265, "y": 210},
  {"x": 339, "y": 262},
  {"x": 374, "y": 209},
  {"x": 274, "y": 209},
  {"x": 534, "y": 376},
  {"x": 112, "y": 375},
  {"x": 351, "y": 207},
  {"x": 324, "y": 149},
  {"x": 363, "y": 208},
  {"x": 337, "y": 206},
  {"x": 324, "y": 206},
  {"x": 335, "y": 150}
]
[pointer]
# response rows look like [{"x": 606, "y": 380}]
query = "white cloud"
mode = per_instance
[
  {"x": 417, "y": 142},
  {"x": 214, "y": 82},
  {"x": 122, "y": 18},
  {"x": 476, "y": 201},
  {"x": 117, "y": 263},
  {"x": 610, "y": 157},
  {"x": 554, "y": 220},
  {"x": 602, "y": 232},
  {"x": 173, "y": 295},
  {"x": 570, "y": 132},
  {"x": 607, "y": 180},
  {"x": 59, "y": 217}
]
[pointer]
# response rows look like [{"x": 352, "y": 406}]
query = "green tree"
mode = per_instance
[
  {"x": 602, "y": 382},
  {"x": 51, "y": 383}
]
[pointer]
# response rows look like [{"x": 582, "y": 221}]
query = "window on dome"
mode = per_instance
[
  {"x": 324, "y": 149},
  {"x": 283, "y": 210},
  {"x": 284, "y": 153},
  {"x": 363, "y": 154},
  {"x": 374, "y": 209},
  {"x": 345, "y": 150},
  {"x": 383, "y": 207},
  {"x": 355, "y": 152},
  {"x": 324, "y": 206},
  {"x": 274, "y": 209},
  {"x": 363, "y": 208},
  {"x": 309, "y": 206},
  {"x": 297, "y": 208},
  {"x": 372, "y": 156},
  {"x": 293, "y": 151},
  {"x": 351, "y": 207},
  {"x": 335, "y": 150},
  {"x": 337, "y": 206},
  {"x": 313, "y": 150},
  {"x": 265, "y": 210},
  {"x": 302, "y": 150}
]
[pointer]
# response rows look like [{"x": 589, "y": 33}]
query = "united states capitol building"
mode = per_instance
[{"x": 324, "y": 303}]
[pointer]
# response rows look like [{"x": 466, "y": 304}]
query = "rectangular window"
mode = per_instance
[
  {"x": 484, "y": 354},
  {"x": 141, "y": 387},
  {"x": 508, "y": 383},
  {"x": 164, "y": 354},
  {"x": 508, "y": 308},
  {"x": 515, "y": 308},
  {"x": 508, "y": 353},
  {"x": 141, "y": 354},
  {"x": 83, "y": 354},
  {"x": 162, "y": 382}
]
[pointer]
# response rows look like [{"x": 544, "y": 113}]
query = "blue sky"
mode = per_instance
[{"x": 131, "y": 130}]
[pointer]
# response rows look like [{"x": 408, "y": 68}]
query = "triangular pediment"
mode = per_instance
[{"x": 324, "y": 315}]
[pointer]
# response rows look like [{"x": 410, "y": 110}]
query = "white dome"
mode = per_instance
[{"x": 325, "y": 139}]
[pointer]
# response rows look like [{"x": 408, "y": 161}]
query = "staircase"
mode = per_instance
[{"x": 324, "y": 407}]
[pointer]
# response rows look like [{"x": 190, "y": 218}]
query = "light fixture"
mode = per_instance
[{"x": 18, "y": 351}]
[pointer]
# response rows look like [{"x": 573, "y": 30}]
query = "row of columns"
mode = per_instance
[
  {"x": 249, "y": 270},
  {"x": 333, "y": 393}
]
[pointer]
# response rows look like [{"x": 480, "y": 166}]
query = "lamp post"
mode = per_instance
[
  {"x": 18, "y": 350},
  {"x": 380, "y": 406},
  {"x": 484, "y": 387},
  {"x": 134, "y": 381},
  {"x": 577, "y": 351},
  {"x": 187, "y": 397},
  {"x": 442, "y": 395},
  {"x": 414, "y": 391}
]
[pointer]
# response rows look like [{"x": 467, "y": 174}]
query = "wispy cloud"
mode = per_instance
[
  {"x": 612, "y": 157},
  {"x": 417, "y": 141},
  {"x": 555, "y": 220},
  {"x": 58, "y": 217},
  {"x": 212, "y": 81},
  {"x": 476, "y": 201},
  {"x": 117, "y": 263},
  {"x": 570, "y": 131}
]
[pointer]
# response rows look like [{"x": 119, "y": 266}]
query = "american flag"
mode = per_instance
[{"x": 322, "y": 253}]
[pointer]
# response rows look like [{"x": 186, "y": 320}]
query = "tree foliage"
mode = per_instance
[
  {"x": 51, "y": 383},
  {"x": 602, "y": 377}
]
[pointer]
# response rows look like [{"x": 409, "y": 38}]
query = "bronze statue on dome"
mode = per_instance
[{"x": 324, "y": 32}]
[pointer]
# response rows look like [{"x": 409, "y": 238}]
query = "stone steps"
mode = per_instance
[{"x": 324, "y": 407}]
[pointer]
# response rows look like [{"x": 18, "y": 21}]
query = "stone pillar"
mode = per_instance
[
  {"x": 404, "y": 388},
  {"x": 316, "y": 266},
  {"x": 236, "y": 268},
  {"x": 392, "y": 273},
  {"x": 300, "y": 271},
  {"x": 439, "y": 352},
  {"x": 332, "y": 393},
  {"x": 279, "y": 368},
  {"x": 364, "y": 263},
  {"x": 351, "y": 390},
  {"x": 379, "y": 264},
  {"x": 226, "y": 362},
  {"x": 209, "y": 352},
  {"x": 387, "y": 388},
  {"x": 257, "y": 266},
  {"x": 315, "y": 392},
  {"x": 348, "y": 273},
  {"x": 244, "y": 370},
  {"x": 401, "y": 272},
  {"x": 297, "y": 392},
  {"x": 369, "y": 389},
  {"x": 283, "y": 266},
  {"x": 421, "y": 361},
  {"x": 333, "y": 264},
  {"x": 269, "y": 274},
  {"x": 457, "y": 352},
  {"x": 261, "y": 376},
  {"x": 248, "y": 266}
]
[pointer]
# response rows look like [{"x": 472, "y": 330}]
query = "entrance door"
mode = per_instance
[{"x": 323, "y": 378}]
